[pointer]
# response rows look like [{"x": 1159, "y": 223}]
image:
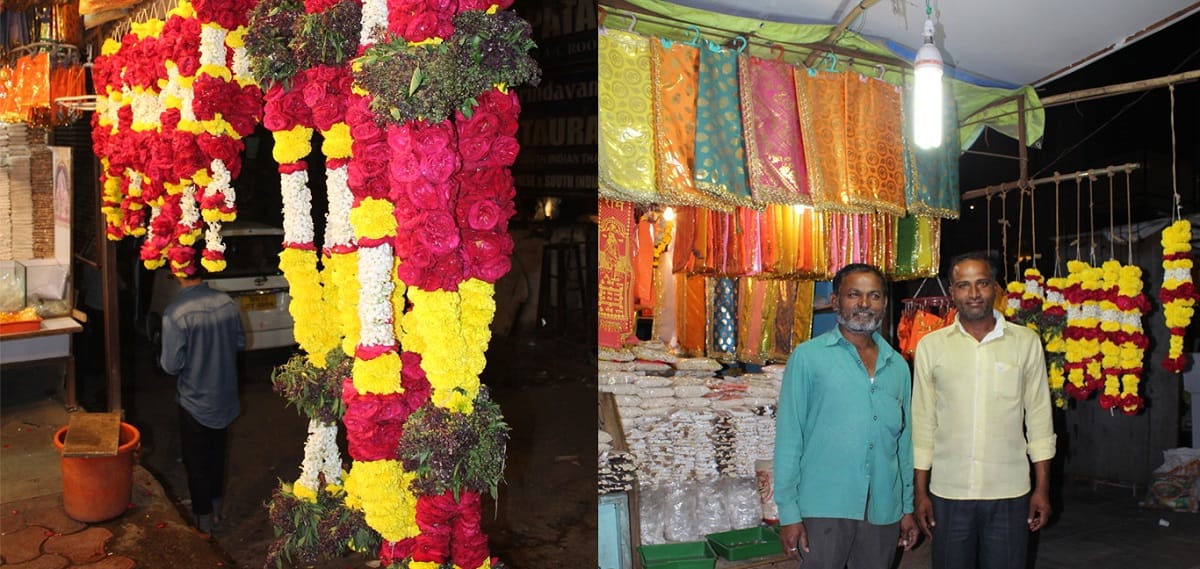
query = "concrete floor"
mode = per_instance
[{"x": 543, "y": 385}]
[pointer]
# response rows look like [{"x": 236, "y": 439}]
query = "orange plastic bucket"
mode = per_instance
[{"x": 96, "y": 489}]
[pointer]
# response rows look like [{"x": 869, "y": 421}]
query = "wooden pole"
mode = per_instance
[
  {"x": 108, "y": 290},
  {"x": 984, "y": 192},
  {"x": 837, "y": 30}
]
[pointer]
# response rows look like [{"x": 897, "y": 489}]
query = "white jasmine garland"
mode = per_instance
[
  {"x": 190, "y": 216},
  {"x": 241, "y": 66},
  {"x": 374, "y": 20},
  {"x": 320, "y": 456},
  {"x": 147, "y": 110},
  {"x": 297, "y": 207},
  {"x": 338, "y": 230},
  {"x": 212, "y": 237},
  {"x": 221, "y": 179},
  {"x": 212, "y": 45},
  {"x": 374, "y": 299},
  {"x": 172, "y": 90}
]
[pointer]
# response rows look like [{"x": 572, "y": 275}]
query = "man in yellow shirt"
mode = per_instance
[{"x": 981, "y": 414}]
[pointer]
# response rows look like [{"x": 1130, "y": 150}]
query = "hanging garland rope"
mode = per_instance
[{"x": 1178, "y": 294}]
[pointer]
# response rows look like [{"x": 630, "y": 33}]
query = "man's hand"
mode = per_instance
[
  {"x": 923, "y": 512},
  {"x": 908, "y": 532},
  {"x": 1039, "y": 510},
  {"x": 795, "y": 540}
]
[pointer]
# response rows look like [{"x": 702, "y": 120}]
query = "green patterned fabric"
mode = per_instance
[{"x": 720, "y": 150}]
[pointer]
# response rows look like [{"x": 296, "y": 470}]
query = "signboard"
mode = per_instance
[{"x": 559, "y": 116}]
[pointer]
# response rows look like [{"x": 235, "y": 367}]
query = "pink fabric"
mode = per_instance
[{"x": 774, "y": 149}]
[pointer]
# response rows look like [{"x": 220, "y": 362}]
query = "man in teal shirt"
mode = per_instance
[{"x": 843, "y": 445}]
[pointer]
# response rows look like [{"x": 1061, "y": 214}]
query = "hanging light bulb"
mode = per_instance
[{"x": 927, "y": 94}]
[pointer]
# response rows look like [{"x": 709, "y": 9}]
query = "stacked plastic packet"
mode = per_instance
[{"x": 618, "y": 469}]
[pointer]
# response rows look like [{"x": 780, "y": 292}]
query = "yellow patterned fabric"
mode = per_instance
[
  {"x": 874, "y": 145},
  {"x": 774, "y": 147},
  {"x": 626, "y": 148},
  {"x": 674, "y": 67}
]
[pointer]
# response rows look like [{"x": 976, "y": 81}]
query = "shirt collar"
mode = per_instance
[
  {"x": 835, "y": 337},
  {"x": 996, "y": 332}
]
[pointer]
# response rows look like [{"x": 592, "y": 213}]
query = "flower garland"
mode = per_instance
[
  {"x": 1051, "y": 322},
  {"x": 168, "y": 130},
  {"x": 1132, "y": 305},
  {"x": 1025, "y": 299},
  {"x": 1178, "y": 294},
  {"x": 1082, "y": 334}
]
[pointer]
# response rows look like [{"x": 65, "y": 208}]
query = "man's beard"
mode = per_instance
[{"x": 859, "y": 326}]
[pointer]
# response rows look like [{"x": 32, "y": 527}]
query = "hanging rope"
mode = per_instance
[
  {"x": 1091, "y": 220},
  {"x": 1112, "y": 226},
  {"x": 989, "y": 224},
  {"x": 1032, "y": 229},
  {"x": 1128, "y": 217},
  {"x": 1057, "y": 232},
  {"x": 1020, "y": 232},
  {"x": 1003, "y": 221},
  {"x": 1174, "y": 177},
  {"x": 1078, "y": 219}
]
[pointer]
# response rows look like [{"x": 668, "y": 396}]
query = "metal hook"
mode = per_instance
[
  {"x": 744, "y": 43},
  {"x": 632, "y": 22},
  {"x": 779, "y": 49},
  {"x": 696, "y": 40},
  {"x": 882, "y": 71}
]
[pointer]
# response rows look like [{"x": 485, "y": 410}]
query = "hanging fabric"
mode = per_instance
[
  {"x": 666, "y": 304},
  {"x": 821, "y": 99},
  {"x": 874, "y": 145},
  {"x": 720, "y": 148},
  {"x": 643, "y": 265},
  {"x": 691, "y": 324},
  {"x": 774, "y": 147},
  {"x": 922, "y": 315},
  {"x": 675, "y": 67},
  {"x": 917, "y": 247},
  {"x": 752, "y": 295},
  {"x": 683, "y": 246},
  {"x": 724, "y": 330},
  {"x": 615, "y": 274},
  {"x": 625, "y": 153},
  {"x": 931, "y": 185}
]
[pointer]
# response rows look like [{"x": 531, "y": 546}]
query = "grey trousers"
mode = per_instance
[{"x": 836, "y": 543}]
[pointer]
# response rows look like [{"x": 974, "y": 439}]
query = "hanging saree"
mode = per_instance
[
  {"x": 774, "y": 148},
  {"x": 666, "y": 303},
  {"x": 752, "y": 295},
  {"x": 683, "y": 244},
  {"x": 874, "y": 145},
  {"x": 720, "y": 169},
  {"x": 674, "y": 70},
  {"x": 917, "y": 246},
  {"x": 821, "y": 99},
  {"x": 724, "y": 330},
  {"x": 643, "y": 265},
  {"x": 932, "y": 186},
  {"x": 691, "y": 313},
  {"x": 625, "y": 154},
  {"x": 615, "y": 273}
]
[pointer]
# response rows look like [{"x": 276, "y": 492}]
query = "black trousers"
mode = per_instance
[
  {"x": 994, "y": 531},
  {"x": 204, "y": 460}
]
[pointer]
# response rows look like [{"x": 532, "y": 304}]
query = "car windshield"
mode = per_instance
[{"x": 251, "y": 256}]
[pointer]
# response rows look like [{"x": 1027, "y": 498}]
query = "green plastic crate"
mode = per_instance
[
  {"x": 686, "y": 555},
  {"x": 745, "y": 543}
]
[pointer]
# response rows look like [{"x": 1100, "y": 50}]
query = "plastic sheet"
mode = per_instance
[
  {"x": 742, "y": 502},
  {"x": 680, "y": 523}
]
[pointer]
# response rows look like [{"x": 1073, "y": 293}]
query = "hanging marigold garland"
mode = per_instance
[
  {"x": 177, "y": 100},
  {"x": 1051, "y": 323},
  {"x": 1178, "y": 294}
]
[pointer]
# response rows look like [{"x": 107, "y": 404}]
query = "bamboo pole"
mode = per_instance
[
  {"x": 983, "y": 192},
  {"x": 837, "y": 30}
]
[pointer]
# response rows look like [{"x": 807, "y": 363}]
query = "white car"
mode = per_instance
[{"x": 251, "y": 277}]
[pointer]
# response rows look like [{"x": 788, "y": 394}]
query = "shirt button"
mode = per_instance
[
  {"x": 871, "y": 445},
  {"x": 875, "y": 418}
]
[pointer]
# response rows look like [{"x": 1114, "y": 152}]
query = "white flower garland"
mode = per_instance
[
  {"x": 241, "y": 67},
  {"x": 221, "y": 180},
  {"x": 147, "y": 110},
  {"x": 338, "y": 230},
  {"x": 212, "y": 45},
  {"x": 374, "y": 20},
  {"x": 297, "y": 208},
  {"x": 321, "y": 456},
  {"x": 190, "y": 213},
  {"x": 374, "y": 299}
]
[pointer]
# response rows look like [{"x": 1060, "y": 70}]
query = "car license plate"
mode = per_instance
[{"x": 258, "y": 302}]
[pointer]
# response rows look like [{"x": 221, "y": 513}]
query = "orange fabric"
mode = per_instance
[
  {"x": 821, "y": 98},
  {"x": 674, "y": 70},
  {"x": 643, "y": 266},
  {"x": 874, "y": 145},
  {"x": 916, "y": 324},
  {"x": 692, "y": 314},
  {"x": 683, "y": 250}
]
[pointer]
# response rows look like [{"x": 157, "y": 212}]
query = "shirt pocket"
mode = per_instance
[{"x": 1006, "y": 381}]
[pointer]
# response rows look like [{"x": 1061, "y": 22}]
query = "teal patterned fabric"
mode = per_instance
[
  {"x": 725, "y": 323},
  {"x": 932, "y": 187},
  {"x": 720, "y": 150}
]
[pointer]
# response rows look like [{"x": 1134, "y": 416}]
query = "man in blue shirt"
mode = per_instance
[
  {"x": 201, "y": 335},
  {"x": 843, "y": 446}
]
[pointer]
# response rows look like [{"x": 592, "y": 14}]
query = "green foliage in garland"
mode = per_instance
[
  {"x": 455, "y": 451},
  {"x": 316, "y": 393},
  {"x": 283, "y": 40},
  {"x": 431, "y": 81},
  {"x": 309, "y": 532}
]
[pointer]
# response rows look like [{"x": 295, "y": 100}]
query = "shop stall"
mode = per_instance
[{"x": 742, "y": 162}]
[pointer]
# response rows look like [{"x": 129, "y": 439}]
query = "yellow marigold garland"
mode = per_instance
[
  {"x": 1178, "y": 294},
  {"x": 380, "y": 489}
]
